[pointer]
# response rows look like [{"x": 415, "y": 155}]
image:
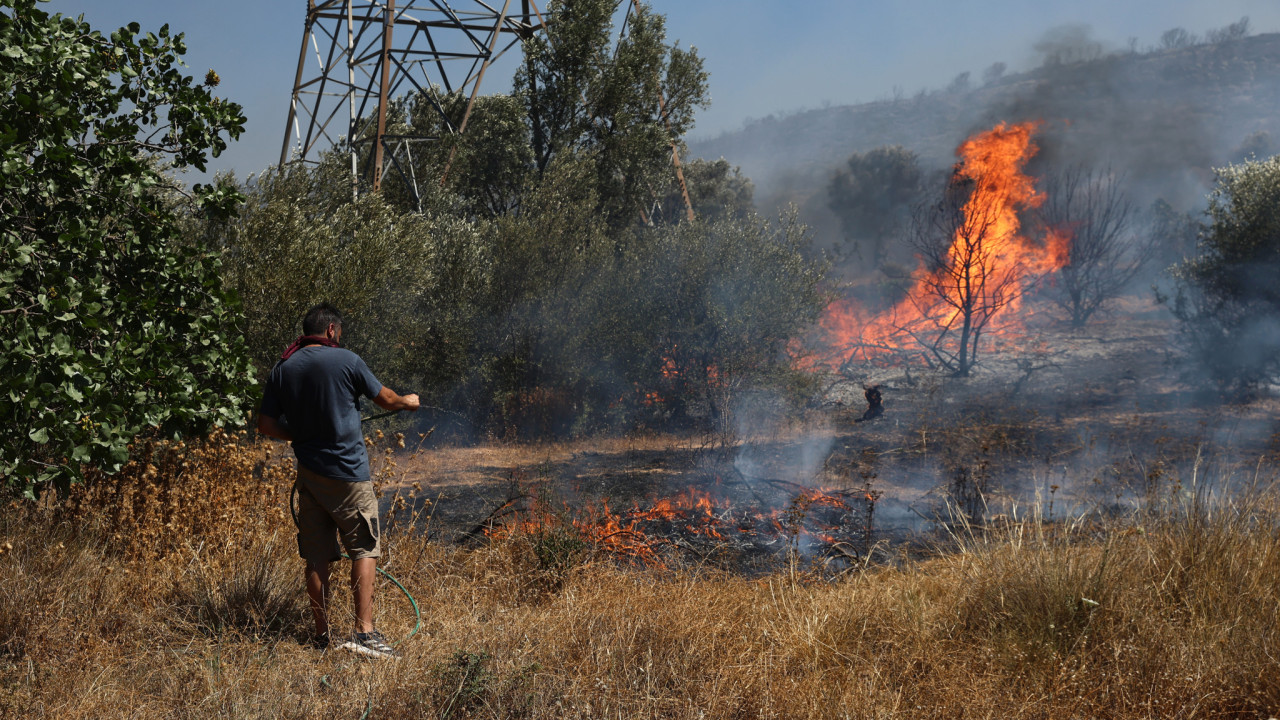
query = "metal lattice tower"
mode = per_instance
[{"x": 359, "y": 56}]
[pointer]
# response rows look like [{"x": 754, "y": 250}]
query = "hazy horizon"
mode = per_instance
[{"x": 763, "y": 58}]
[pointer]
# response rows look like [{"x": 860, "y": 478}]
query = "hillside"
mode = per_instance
[{"x": 1163, "y": 118}]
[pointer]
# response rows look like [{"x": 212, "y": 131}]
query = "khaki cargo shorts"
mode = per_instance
[{"x": 330, "y": 509}]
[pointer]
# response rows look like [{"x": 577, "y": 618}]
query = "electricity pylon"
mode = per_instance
[{"x": 359, "y": 56}]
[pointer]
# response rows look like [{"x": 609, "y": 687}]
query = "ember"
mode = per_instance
[{"x": 817, "y": 520}]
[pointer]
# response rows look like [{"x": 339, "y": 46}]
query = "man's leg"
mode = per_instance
[
  {"x": 318, "y": 593},
  {"x": 362, "y": 576}
]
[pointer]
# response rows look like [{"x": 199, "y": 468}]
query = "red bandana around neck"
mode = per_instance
[{"x": 306, "y": 340}]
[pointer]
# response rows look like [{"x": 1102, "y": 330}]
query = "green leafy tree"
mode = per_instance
[
  {"x": 542, "y": 257},
  {"x": 691, "y": 314},
  {"x": 113, "y": 324},
  {"x": 873, "y": 196},
  {"x": 716, "y": 189},
  {"x": 625, "y": 105},
  {"x": 1227, "y": 297},
  {"x": 409, "y": 283},
  {"x": 488, "y": 165}
]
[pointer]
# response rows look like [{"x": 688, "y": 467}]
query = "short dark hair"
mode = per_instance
[{"x": 318, "y": 318}]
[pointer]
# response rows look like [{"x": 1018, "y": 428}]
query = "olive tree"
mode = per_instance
[
  {"x": 114, "y": 324},
  {"x": 407, "y": 282},
  {"x": 1226, "y": 297},
  {"x": 873, "y": 195},
  {"x": 624, "y": 105}
]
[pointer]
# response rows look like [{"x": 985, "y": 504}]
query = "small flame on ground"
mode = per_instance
[{"x": 639, "y": 535}]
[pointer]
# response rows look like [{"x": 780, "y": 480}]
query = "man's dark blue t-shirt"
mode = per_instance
[{"x": 317, "y": 391}]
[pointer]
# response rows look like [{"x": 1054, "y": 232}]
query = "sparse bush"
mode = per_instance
[
  {"x": 1177, "y": 39},
  {"x": 1237, "y": 30},
  {"x": 1093, "y": 215},
  {"x": 254, "y": 591},
  {"x": 1173, "y": 234}
]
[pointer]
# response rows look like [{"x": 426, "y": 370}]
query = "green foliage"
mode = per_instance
[
  {"x": 1227, "y": 296},
  {"x": 408, "y": 284},
  {"x": 488, "y": 164},
  {"x": 873, "y": 196},
  {"x": 523, "y": 291},
  {"x": 633, "y": 326},
  {"x": 114, "y": 324},
  {"x": 581, "y": 95},
  {"x": 1174, "y": 234},
  {"x": 716, "y": 189},
  {"x": 680, "y": 318},
  {"x": 536, "y": 322}
]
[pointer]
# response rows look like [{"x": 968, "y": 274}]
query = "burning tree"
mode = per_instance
[
  {"x": 975, "y": 263},
  {"x": 1104, "y": 257},
  {"x": 967, "y": 284}
]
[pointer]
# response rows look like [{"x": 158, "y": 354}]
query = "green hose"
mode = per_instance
[{"x": 417, "y": 613}]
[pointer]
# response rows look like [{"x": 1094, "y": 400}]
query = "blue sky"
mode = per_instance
[{"x": 764, "y": 56}]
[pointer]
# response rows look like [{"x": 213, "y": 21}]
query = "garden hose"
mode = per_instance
[
  {"x": 417, "y": 613},
  {"x": 413, "y": 602}
]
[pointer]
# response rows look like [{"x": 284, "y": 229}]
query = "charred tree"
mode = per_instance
[
  {"x": 1093, "y": 213},
  {"x": 875, "y": 403}
]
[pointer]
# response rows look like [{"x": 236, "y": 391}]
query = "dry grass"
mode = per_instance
[{"x": 172, "y": 591}]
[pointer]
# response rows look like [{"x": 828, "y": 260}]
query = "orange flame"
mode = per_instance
[
  {"x": 989, "y": 263},
  {"x": 637, "y": 535}
]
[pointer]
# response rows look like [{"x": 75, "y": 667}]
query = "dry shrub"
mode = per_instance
[
  {"x": 254, "y": 591},
  {"x": 176, "y": 495},
  {"x": 1032, "y": 606}
]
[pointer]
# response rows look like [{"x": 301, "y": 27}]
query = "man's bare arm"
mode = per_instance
[
  {"x": 271, "y": 427},
  {"x": 388, "y": 400}
]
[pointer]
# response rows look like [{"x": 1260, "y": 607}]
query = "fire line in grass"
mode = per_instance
[{"x": 814, "y": 522}]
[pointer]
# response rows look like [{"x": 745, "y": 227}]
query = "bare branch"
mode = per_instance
[{"x": 1105, "y": 255}]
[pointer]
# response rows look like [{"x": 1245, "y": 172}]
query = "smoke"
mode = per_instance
[
  {"x": 1067, "y": 44},
  {"x": 761, "y": 420},
  {"x": 1140, "y": 115}
]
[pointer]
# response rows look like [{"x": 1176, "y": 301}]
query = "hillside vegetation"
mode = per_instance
[
  {"x": 1165, "y": 117},
  {"x": 577, "y": 341}
]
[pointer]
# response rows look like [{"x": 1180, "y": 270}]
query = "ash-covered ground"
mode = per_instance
[{"x": 1068, "y": 424}]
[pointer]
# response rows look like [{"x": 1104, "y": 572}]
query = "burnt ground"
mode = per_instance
[{"x": 1088, "y": 423}]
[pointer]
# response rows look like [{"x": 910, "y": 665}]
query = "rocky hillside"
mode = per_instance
[{"x": 1164, "y": 119}]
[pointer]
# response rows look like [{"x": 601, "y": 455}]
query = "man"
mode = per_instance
[{"x": 312, "y": 399}]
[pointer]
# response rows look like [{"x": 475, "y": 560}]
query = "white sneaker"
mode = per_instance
[{"x": 371, "y": 644}]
